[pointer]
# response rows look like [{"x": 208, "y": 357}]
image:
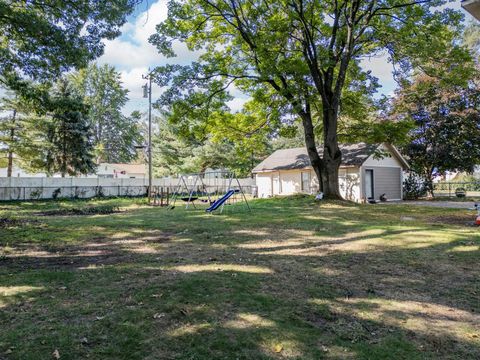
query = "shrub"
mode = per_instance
[
  {"x": 414, "y": 187},
  {"x": 56, "y": 192},
  {"x": 100, "y": 193}
]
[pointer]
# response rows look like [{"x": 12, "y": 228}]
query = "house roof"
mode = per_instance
[
  {"x": 473, "y": 7},
  {"x": 297, "y": 158},
  {"x": 130, "y": 168}
]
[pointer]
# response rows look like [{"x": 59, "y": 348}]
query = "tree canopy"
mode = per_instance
[
  {"x": 116, "y": 135},
  {"x": 42, "y": 38},
  {"x": 300, "y": 59}
]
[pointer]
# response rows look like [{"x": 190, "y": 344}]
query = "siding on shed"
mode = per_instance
[
  {"x": 264, "y": 184},
  {"x": 386, "y": 180},
  {"x": 389, "y": 161}
]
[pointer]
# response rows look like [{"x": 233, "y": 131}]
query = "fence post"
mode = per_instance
[{"x": 449, "y": 190}]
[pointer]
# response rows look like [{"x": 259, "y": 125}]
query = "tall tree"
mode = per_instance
[
  {"x": 115, "y": 135},
  {"x": 67, "y": 146},
  {"x": 446, "y": 132},
  {"x": 18, "y": 126},
  {"x": 9, "y": 128},
  {"x": 302, "y": 56},
  {"x": 176, "y": 151},
  {"x": 41, "y": 38}
]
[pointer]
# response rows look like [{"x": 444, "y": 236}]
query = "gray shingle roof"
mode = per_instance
[{"x": 297, "y": 158}]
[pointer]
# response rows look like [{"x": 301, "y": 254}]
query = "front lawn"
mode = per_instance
[{"x": 294, "y": 279}]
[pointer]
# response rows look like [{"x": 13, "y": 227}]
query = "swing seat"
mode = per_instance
[{"x": 191, "y": 199}]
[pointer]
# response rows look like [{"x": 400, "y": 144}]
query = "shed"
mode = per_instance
[{"x": 367, "y": 171}]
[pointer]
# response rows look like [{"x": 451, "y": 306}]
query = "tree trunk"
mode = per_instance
[
  {"x": 12, "y": 139},
  {"x": 326, "y": 168},
  {"x": 10, "y": 164},
  {"x": 311, "y": 146},
  {"x": 332, "y": 156}
]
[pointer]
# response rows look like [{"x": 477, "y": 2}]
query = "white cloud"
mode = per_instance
[
  {"x": 132, "y": 49},
  {"x": 132, "y": 54}
]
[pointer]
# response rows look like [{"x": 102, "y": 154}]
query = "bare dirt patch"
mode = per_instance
[
  {"x": 463, "y": 220},
  {"x": 6, "y": 222},
  {"x": 90, "y": 210},
  {"x": 97, "y": 252}
]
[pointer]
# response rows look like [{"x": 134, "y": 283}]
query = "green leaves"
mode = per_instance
[
  {"x": 446, "y": 135},
  {"x": 41, "y": 39},
  {"x": 115, "y": 135}
]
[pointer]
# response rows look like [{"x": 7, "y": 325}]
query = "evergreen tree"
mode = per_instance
[
  {"x": 67, "y": 137},
  {"x": 18, "y": 126}
]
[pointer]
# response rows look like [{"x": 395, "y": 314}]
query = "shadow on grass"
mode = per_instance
[{"x": 184, "y": 285}]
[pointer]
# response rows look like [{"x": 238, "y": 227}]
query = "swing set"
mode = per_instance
[{"x": 215, "y": 190}]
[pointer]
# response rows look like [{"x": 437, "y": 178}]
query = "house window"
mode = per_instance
[{"x": 306, "y": 182}]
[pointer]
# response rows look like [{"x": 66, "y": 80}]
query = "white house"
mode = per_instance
[
  {"x": 104, "y": 170},
  {"x": 367, "y": 171},
  {"x": 121, "y": 171}
]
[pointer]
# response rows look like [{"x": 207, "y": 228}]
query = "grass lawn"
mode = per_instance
[{"x": 294, "y": 279}]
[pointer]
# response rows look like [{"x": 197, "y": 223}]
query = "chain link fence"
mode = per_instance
[{"x": 457, "y": 189}]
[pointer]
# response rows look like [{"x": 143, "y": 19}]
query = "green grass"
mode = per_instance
[{"x": 293, "y": 279}]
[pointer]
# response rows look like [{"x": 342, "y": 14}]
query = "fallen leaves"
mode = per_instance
[{"x": 278, "y": 348}]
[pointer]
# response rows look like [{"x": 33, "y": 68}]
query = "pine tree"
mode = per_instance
[
  {"x": 17, "y": 125},
  {"x": 67, "y": 136}
]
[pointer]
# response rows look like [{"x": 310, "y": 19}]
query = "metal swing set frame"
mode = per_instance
[{"x": 199, "y": 181}]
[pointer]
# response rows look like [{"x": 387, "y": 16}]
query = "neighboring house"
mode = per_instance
[
  {"x": 473, "y": 7},
  {"x": 121, "y": 171},
  {"x": 104, "y": 170},
  {"x": 19, "y": 172},
  {"x": 362, "y": 174}
]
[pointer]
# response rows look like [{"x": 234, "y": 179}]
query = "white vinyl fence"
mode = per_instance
[{"x": 15, "y": 188}]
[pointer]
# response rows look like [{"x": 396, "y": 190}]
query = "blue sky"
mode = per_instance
[{"x": 132, "y": 55}]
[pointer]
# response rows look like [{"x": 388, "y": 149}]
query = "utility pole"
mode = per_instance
[{"x": 147, "y": 93}]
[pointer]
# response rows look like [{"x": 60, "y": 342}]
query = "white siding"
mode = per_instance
[
  {"x": 264, "y": 184},
  {"x": 290, "y": 182},
  {"x": 388, "y": 161},
  {"x": 349, "y": 182}
]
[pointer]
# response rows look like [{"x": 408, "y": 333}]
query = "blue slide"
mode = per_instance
[{"x": 220, "y": 201}]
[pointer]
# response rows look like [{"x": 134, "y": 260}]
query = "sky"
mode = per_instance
[{"x": 133, "y": 55}]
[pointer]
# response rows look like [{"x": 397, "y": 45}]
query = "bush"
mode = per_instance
[
  {"x": 414, "y": 187},
  {"x": 55, "y": 193}
]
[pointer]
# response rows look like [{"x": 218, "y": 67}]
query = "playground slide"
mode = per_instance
[{"x": 220, "y": 201}]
